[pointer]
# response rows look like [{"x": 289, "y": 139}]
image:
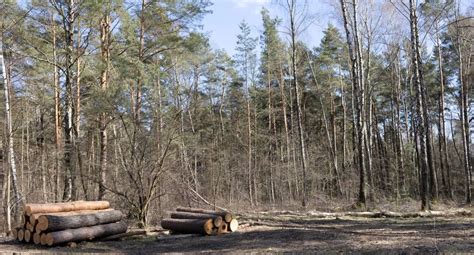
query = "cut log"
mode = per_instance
[
  {"x": 189, "y": 226},
  {"x": 84, "y": 234},
  {"x": 65, "y": 207},
  {"x": 27, "y": 237},
  {"x": 222, "y": 229},
  {"x": 233, "y": 225},
  {"x": 217, "y": 220},
  {"x": 37, "y": 238},
  {"x": 54, "y": 223},
  {"x": 225, "y": 215},
  {"x": 34, "y": 217},
  {"x": 21, "y": 234}
]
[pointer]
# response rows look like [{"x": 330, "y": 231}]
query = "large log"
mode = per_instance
[
  {"x": 216, "y": 219},
  {"x": 33, "y": 218},
  {"x": 233, "y": 225},
  {"x": 65, "y": 207},
  {"x": 54, "y": 223},
  {"x": 189, "y": 226},
  {"x": 84, "y": 234},
  {"x": 225, "y": 215}
]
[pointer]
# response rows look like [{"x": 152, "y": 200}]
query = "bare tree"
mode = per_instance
[{"x": 11, "y": 153}]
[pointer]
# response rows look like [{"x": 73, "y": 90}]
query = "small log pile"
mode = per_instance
[
  {"x": 187, "y": 220},
  {"x": 62, "y": 223}
]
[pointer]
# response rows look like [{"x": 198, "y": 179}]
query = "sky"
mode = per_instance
[{"x": 223, "y": 24}]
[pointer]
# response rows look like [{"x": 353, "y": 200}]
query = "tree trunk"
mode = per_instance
[
  {"x": 66, "y": 207},
  {"x": 358, "y": 102},
  {"x": 104, "y": 82},
  {"x": 443, "y": 151},
  {"x": 84, "y": 234},
  {"x": 9, "y": 131},
  {"x": 422, "y": 127},
  {"x": 57, "y": 113},
  {"x": 68, "y": 22},
  {"x": 225, "y": 215},
  {"x": 216, "y": 219},
  {"x": 465, "y": 130},
  {"x": 188, "y": 226},
  {"x": 298, "y": 94},
  {"x": 54, "y": 223}
]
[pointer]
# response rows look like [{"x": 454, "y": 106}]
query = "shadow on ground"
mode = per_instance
[{"x": 381, "y": 236}]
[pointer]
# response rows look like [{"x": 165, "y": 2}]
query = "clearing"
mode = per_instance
[{"x": 297, "y": 233}]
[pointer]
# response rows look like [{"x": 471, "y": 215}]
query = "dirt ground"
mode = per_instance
[{"x": 296, "y": 234}]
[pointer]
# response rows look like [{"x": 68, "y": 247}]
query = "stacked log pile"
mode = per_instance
[
  {"x": 61, "y": 223},
  {"x": 187, "y": 220}
]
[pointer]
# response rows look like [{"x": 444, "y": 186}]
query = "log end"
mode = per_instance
[
  {"x": 48, "y": 239},
  {"x": 222, "y": 229},
  {"x": 28, "y": 210},
  {"x": 42, "y": 224},
  {"x": 218, "y": 221},
  {"x": 233, "y": 225},
  {"x": 37, "y": 238},
  {"x": 43, "y": 239},
  {"x": 228, "y": 217},
  {"x": 27, "y": 236},
  {"x": 208, "y": 226},
  {"x": 21, "y": 235}
]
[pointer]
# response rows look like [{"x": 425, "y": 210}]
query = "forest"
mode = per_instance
[{"x": 127, "y": 101}]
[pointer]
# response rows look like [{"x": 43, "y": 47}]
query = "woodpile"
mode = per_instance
[
  {"x": 187, "y": 220},
  {"x": 63, "y": 223}
]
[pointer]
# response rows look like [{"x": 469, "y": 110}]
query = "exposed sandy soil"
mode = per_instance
[{"x": 297, "y": 234}]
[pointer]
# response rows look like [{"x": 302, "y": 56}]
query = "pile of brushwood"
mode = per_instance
[
  {"x": 200, "y": 221},
  {"x": 63, "y": 223}
]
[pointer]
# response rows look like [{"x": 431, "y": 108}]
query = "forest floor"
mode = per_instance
[{"x": 287, "y": 232}]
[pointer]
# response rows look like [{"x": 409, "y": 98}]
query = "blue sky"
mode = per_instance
[{"x": 223, "y": 23}]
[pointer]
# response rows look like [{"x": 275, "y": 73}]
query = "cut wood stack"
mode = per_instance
[
  {"x": 188, "y": 220},
  {"x": 61, "y": 223}
]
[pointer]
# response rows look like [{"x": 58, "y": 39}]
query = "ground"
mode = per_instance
[{"x": 297, "y": 233}]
